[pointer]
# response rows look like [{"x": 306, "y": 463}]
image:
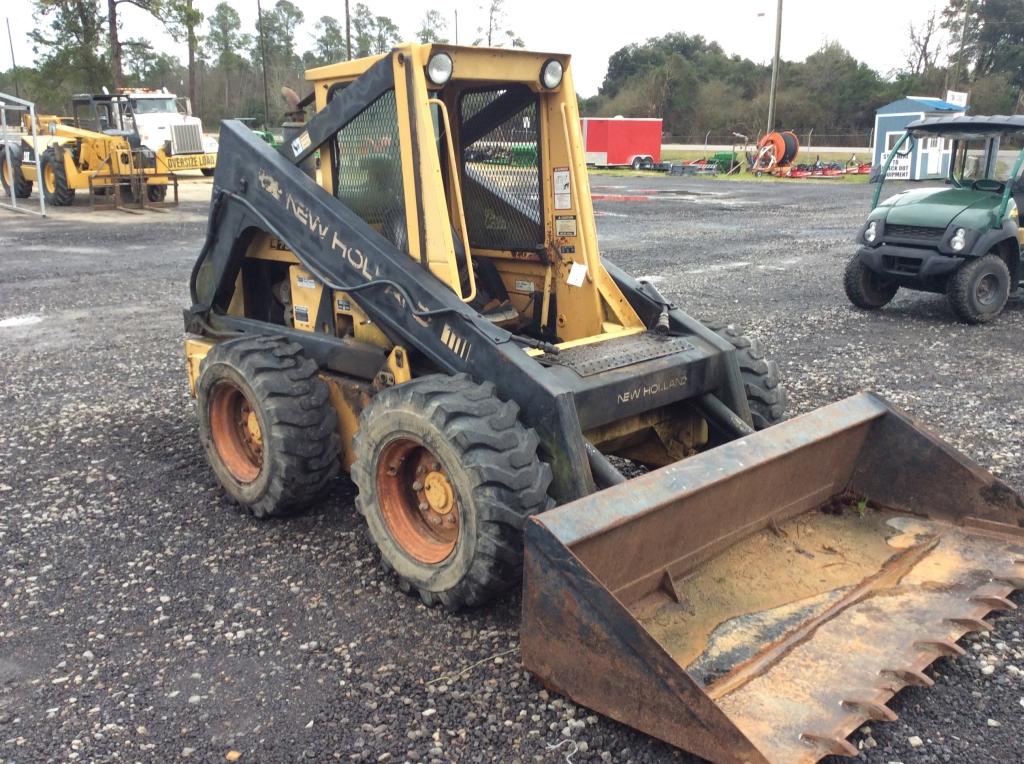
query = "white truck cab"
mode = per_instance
[{"x": 165, "y": 121}]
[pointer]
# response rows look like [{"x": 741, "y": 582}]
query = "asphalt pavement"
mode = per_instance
[{"x": 142, "y": 618}]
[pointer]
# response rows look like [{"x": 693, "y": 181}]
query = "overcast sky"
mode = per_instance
[{"x": 874, "y": 31}]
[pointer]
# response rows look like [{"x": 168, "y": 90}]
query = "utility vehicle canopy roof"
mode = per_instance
[{"x": 967, "y": 127}]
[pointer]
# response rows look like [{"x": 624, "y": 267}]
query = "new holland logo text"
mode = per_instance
[{"x": 655, "y": 388}]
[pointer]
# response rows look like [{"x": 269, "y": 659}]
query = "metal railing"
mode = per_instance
[{"x": 13, "y": 103}]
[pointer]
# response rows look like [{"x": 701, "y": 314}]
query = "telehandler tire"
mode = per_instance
[
  {"x": 865, "y": 288},
  {"x": 765, "y": 394},
  {"x": 979, "y": 289},
  {"x": 447, "y": 477},
  {"x": 54, "y": 183},
  {"x": 267, "y": 424},
  {"x": 156, "y": 194},
  {"x": 22, "y": 186}
]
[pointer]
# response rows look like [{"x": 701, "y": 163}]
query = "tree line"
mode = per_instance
[
  {"x": 689, "y": 81},
  {"x": 972, "y": 45},
  {"x": 80, "y": 47}
]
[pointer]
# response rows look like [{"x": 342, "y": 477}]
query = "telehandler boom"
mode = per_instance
[{"x": 429, "y": 311}]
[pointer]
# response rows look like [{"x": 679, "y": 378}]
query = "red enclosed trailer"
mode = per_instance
[{"x": 622, "y": 141}]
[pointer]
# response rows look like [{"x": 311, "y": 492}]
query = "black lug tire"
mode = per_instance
[
  {"x": 637, "y": 163},
  {"x": 156, "y": 194},
  {"x": 301, "y": 444},
  {"x": 765, "y": 394},
  {"x": 22, "y": 185},
  {"x": 961, "y": 289},
  {"x": 865, "y": 288},
  {"x": 491, "y": 459},
  {"x": 62, "y": 195},
  {"x": 207, "y": 171}
]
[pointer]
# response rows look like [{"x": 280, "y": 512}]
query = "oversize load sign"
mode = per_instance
[{"x": 191, "y": 161}]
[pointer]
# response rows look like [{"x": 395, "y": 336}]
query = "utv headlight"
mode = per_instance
[
  {"x": 439, "y": 68},
  {"x": 871, "y": 232},
  {"x": 551, "y": 74},
  {"x": 959, "y": 240}
]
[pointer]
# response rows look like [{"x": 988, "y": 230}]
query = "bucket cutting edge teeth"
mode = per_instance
[
  {"x": 831, "y": 744},
  {"x": 911, "y": 677},
  {"x": 943, "y": 647},
  {"x": 971, "y": 624},
  {"x": 871, "y": 709},
  {"x": 993, "y": 601}
]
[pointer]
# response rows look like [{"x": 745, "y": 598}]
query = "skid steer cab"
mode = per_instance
[
  {"x": 961, "y": 236},
  {"x": 429, "y": 311}
]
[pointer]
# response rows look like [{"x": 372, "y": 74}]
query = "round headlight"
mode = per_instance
[
  {"x": 871, "y": 232},
  {"x": 959, "y": 240},
  {"x": 439, "y": 68},
  {"x": 551, "y": 74}
]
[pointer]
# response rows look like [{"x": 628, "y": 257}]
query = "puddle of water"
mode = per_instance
[{"x": 7, "y": 323}]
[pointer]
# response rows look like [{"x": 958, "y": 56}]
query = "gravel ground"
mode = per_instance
[{"x": 143, "y": 619}]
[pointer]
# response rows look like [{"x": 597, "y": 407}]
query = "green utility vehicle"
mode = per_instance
[{"x": 961, "y": 238}]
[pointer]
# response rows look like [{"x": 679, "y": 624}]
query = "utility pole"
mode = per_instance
[
  {"x": 14, "y": 65},
  {"x": 348, "y": 34},
  {"x": 263, "y": 58},
  {"x": 775, "y": 69}
]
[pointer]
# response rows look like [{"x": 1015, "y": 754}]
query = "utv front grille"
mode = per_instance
[
  {"x": 917, "y": 232},
  {"x": 908, "y": 265},
  {"x": 186, "y": 139}
]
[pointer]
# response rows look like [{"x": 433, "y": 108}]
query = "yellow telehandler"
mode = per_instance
[
  {"x": 98, "y": 150},
  {"x": 432, "y": 315}
]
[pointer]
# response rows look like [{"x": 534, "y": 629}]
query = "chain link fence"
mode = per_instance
[{"x": 809, "y": 137}]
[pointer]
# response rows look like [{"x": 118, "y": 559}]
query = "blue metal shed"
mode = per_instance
[{"x": 930, "y": 157}]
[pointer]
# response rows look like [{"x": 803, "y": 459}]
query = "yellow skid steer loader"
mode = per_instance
[{"x": 429, "y": 311}]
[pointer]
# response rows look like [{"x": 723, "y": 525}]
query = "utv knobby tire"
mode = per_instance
[
  {"x": 22, "y": 185},
  {"x": 865, "y": 288},
  {"x": 496, "y": 477},
  {"x": 765, "y": 394},
  {"x": 297, "y": 424},
  {"x": 57, "y": 190},
  {"x": 970, "y": 299}
]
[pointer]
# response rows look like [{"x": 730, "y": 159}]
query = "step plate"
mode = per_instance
[{"x": 587, "y": 360}]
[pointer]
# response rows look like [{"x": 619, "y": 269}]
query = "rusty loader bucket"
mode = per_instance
[{"x": 760, "y": 601}]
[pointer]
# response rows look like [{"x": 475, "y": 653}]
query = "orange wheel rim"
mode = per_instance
[
  {"x": 6, "y": 174},
  {"x": 418, "y": 501},
  {"x": 236, "y": 432},
  {"x": 50, "y": 178}
]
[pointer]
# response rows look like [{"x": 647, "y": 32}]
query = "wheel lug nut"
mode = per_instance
[
  {"x": 392, "y": 472},
  {"x": 436, "y": 467},
  {"x": 420, "y": 470},
  {"x": 435, "y": 520},
  {"x": 417, "y": 486},
  {"x": 449, "y": 519},
  {"x": 424, "y": 506}
]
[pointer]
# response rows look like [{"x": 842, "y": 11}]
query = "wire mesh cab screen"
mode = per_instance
[
  {"x": 367, "y": 163},
  {"x": 500, "y": 144}
]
